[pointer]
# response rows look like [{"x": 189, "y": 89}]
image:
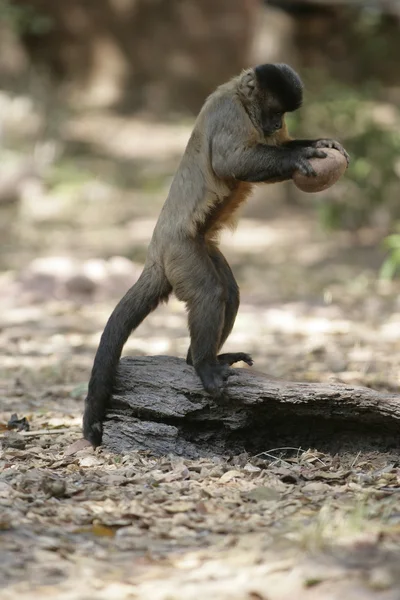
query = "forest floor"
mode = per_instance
[{"x": 75, "y": 524}]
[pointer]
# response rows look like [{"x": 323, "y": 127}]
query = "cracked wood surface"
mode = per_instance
[{"x": 159, "y": 405}]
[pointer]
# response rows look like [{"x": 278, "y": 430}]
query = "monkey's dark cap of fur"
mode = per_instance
[{"x": 283, "y": 82}]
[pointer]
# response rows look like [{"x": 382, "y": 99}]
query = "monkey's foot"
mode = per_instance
[
  {"x": 213, "y": 377},
  {"x": 230, "y": 358}
]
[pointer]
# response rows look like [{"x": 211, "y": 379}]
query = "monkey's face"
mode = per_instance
[
  {"x": 268, "y": 92},
  {"x": 277, "y": 90},
  {"x": 271, "y": 120}
]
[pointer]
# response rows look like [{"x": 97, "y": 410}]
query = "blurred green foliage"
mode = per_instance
[
  {"x": 391, "y": 265},
  {"x": 24, "y": 19}
]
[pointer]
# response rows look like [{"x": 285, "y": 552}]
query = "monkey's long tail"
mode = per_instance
[{"x": 143, "y": 297}]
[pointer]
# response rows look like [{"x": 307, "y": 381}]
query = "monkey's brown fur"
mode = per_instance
[{"x": 239, "y": 139}]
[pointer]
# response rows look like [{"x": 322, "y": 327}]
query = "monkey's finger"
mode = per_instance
[
  {"x": 333, "y": 144},
  {"x": 305, "y": 168},
  {"x": 327, "y": 143},
  {"x": 323, "y": 143},
  {"x": 312, "y": 152},
  {"x": 343, "y": 151},
  {"x": 340, "y": 149},
  {"x": 319, "y": 154}
]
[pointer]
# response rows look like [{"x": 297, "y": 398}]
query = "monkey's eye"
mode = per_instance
[{"x": 277, "y": 121}]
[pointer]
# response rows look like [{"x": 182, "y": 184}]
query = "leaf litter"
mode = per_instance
[{"x": 62, "y": 513}]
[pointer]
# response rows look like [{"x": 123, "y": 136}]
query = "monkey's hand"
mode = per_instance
[
  {"x": 328, "y": 143},
  {"x": 299, "y": 159}
]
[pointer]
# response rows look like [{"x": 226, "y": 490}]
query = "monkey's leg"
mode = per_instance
[
  {"x": 196, "y": 282},
  {"x": 231, "y": 309}
]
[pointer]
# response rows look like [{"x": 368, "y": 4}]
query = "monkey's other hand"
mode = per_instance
[
  {"x": 327, "y": 143},
  {"x": 213, "y": 377},
  {"x": 92, "y": 427},
  {"x": 230, "y": 358},
  {"x": 300, "y": 160}
]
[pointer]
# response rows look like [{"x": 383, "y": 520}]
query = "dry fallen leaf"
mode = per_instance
[
  {"x": 179, "y": 507},
  {"x": 229, "y": 475},
  {"x": 52, "y": 486},
  {"x": 315, "y": 487},
  {"x": 326, "y": 475},
  {"x": 89, "y": 461},
  {"x": 97, "y": 529},
  {"x": 76, "y": 447},
  {"x": 263, "y": 494},
  {"x": 251, "y": 468}
]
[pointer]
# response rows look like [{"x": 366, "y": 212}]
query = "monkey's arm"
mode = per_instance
[
  {"x": 261, "y": 162},
  {"x": 235, "y": 155}
]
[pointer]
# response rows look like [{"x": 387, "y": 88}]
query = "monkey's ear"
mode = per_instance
[{"x": 247, "y": 85}]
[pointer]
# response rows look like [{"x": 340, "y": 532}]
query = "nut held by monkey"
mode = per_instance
[{"x": 327, "y": 172}]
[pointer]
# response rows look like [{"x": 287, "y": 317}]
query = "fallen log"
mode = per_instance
[{"x": 159, "y": 405}]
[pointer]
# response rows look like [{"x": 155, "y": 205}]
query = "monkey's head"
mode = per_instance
[{"x": 268, "y": 92}]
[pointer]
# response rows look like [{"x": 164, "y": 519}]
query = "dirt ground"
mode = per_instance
[{"x": 78, "y": 524}]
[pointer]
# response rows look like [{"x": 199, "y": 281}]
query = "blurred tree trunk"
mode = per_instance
[
  {"x": 161, "y": 55},
  {"x": 346, "y": 39}
]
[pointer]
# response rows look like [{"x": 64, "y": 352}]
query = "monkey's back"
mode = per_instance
[{"x": 199, "y": 202}]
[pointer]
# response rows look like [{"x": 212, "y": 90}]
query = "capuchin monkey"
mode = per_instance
[{"x": 239, "y": 139}]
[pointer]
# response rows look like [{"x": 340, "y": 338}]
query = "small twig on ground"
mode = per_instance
[{"x": 41, "y": 432}]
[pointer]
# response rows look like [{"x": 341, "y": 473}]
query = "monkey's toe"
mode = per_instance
[{"x": 230, "y": 358}]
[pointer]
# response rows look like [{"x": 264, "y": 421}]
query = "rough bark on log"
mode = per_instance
[{"x": 159, "y": 405}]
